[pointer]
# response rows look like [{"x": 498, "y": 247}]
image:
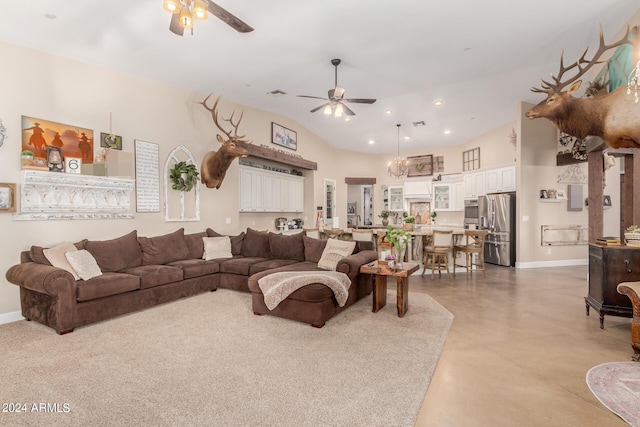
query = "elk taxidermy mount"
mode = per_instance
[
  {"x": 215, "y": 163},
  {"x": 613, "y": 116}
]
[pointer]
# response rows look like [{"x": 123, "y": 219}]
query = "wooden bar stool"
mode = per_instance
[
  {"x": 436, "y": 254},
  {"x": 474, "y": 245}
]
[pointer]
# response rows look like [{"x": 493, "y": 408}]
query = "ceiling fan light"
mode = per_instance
[
  {"x": 200, "y": 10},
  {"x": 186, "y": 21},
  {"x": 327, "y": 110},
  {"x": 339, "y": 111},
  {"x": 171, "y": 6}
]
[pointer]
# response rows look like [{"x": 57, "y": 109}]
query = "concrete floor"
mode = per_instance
[{"x": 519, "y": 349}]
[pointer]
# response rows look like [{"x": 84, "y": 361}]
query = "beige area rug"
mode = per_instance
[
  {"x": 209, "y": 361},
  {"x": 617, "y": 386}
]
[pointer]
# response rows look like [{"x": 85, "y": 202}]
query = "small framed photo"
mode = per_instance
[
  {"x": 113, "y": 142},
  {"x": 7, "y": 197},
  {"x": 607, "y": 200},
  {"x": 284, "y": 137}
]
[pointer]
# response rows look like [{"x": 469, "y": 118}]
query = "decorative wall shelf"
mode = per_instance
[
  {"x": 54, "y": 195},
  {"x": 280, "y": 156}
]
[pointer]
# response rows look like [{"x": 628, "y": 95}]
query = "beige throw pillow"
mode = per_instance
[
  {"x": 56, "y": 256},
  {"x": 84, "y": 264},
  {"x": 217, "y": 247},
  {"x": 334, "y": 252}
]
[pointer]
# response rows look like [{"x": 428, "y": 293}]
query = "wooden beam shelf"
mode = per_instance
[{"x": 281, "y": 156}]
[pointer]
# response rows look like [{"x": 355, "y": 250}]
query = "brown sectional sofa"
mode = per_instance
[{"x": 140, "y": 272}]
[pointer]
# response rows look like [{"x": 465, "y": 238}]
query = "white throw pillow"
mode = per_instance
[
  {"x": 217, "y": 247},
  {"x": 334, "y": 252},
  {"x": 56, "y": 257},
  {"x": 84, "y": 264}
]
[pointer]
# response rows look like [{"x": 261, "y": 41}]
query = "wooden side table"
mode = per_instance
[{"x": 382, "y": 272}]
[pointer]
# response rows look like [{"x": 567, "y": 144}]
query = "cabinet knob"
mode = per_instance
[{"x": 627, "y": 263}]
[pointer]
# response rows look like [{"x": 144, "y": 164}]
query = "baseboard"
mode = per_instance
[
  {"x": 558, "y": 263},
  {"x": 10, "y": 317}
]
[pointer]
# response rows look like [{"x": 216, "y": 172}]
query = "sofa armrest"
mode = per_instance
[
  {"x": 351, "y": 265},
  {"x": 42, "y": 278}
]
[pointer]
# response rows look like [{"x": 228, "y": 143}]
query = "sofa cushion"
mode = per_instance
[
  {"x": 106, "y": 285},
  {"x": 164, "y": 249},
  {"x": 313, "y": 248},
  {"x": 116, "y": 254},
  {"x": 236, "y": 241},
  {"x": 195, "y": 244},
  {"x": 84, "y": 264},
  {"x": 217, "y": 247},
  {"x": 269, "y": 265},
  {"x": 239, "y": 265},
  {"x": 196, "y": 267},
  {"x": 334, "y": 252},
  {"x": 256, "y": 244},
  {"x": 36, "y": 253},
  {"x": 290, "y": 247},
  {"x": 155, "y": 275},
  {"x": 56, "y": 257}
]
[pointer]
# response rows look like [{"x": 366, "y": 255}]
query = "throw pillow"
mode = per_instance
[
  {"x": 56, "y": 256},
  {"x": 236, "y": 241},
  {"x": 195, "y": 245},
  {"x": 217, "y": 247},
  {"x": 313, "y": 248},
  {"x": 256, "y": 244},
  {"x": 164, "y": 249},
  {"x": 116, "y": 254},
  {"x": 84, "y": 264},
  {"x": 286, "y": 247},
  {"x": 334, "y": 252},
  {"x": 37, "y": 255}
]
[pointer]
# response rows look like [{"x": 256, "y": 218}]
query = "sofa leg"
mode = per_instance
[
  {"x": 257, "y": 314},
  {"x": 213, "y": 290},
  {"x": 317, "y": 326},
  {"x": 27, "y": 319},
  {"x": 68, "y": 331}
]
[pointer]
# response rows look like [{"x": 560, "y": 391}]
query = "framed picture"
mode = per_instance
[
  {"x": 607, "y": 200},
  {"x": 73, "y": 141},
  {"x": 351, "y": 208},
  {"x": 113, "y": 142},
  {"x": 7, "y": 197},
  {"x": 420, "y": 165},
  {"x": 421, "y": 210},
  {"x": 284, "y": 137}
]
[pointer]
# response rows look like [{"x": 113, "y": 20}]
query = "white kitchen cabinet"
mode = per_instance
[
  {"x": 474, "y": 184},
  {"x": 442, "y": 200},
  {"x": 266, "y": 191},
  {"x": 396, "y": 198},
  {"x": 457, "y": 195},
  {"x": 501, "y": 180}
]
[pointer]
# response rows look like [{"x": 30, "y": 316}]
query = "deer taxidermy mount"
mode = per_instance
[
  {"x": 215, "y": 163},
  {"x": 614, "y": 116}
]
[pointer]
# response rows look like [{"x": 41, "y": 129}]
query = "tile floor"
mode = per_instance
[{"x": 519, "y": 349}]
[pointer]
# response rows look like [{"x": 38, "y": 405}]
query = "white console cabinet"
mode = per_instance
[{"x": 267, "y": 191}]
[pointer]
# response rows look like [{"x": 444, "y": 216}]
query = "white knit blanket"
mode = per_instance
[{"x": 278, "y": 286}]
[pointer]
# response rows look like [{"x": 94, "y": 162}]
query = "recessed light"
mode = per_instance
[
  {"x": 387, "y": 112},
  {"x": 437, "y": 102},
  {"x": 407, "y": 138},
  {"x": 347, "y": 119},
  {"x": 371, "y": 142},
  {"x": 447, "y": 132}
]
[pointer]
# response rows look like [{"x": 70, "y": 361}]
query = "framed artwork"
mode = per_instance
[
  {"x": 147, "y": 160},
  {"x": 113, "y": 142},
  {"x": 351, "y": 208},
  {"x": 73, "y": 141},
  {"x": 421, "y": 210},
  {"x": 607, "y": 200},
  {"x": 420, "y": 165},
  {"x": 7, "y": 197},
  {"x": 471, "y": 159},
  {"x": 284, "y": 137}
]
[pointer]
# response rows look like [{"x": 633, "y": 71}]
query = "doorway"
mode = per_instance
[{"x": 360, "y": 202}]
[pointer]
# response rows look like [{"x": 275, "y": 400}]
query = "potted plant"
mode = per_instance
[
  {"x": 409, "y": 222},
  {"x": 399, "y": 238},
  {"x": 434, "y": 214},
  {"x": 385, "y": 217}
]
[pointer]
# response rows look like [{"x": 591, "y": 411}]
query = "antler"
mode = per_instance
[
  {"x": 214, "y": 115},
  {"x": 582, "y": 64}
]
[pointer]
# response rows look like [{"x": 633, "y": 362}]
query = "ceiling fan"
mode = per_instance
[
  {"x": 184, "y": 11},
  {"x": 336, "y": 99}
]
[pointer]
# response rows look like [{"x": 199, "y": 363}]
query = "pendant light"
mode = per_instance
[{"x": 399, "y": 166}]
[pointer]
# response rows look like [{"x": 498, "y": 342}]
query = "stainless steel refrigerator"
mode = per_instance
[{"x": 498, "y": 214}]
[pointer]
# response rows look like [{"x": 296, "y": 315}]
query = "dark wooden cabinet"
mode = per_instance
[{"x": 609, "y": 266}]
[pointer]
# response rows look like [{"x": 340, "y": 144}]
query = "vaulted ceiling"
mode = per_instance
[{"x": 479, "y": 58}]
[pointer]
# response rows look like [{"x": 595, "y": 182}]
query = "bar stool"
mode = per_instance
[
  {"x": 333, "y": 233},
  {"x": 436, "y": 254},
  {"x": 474, "y": 245}
]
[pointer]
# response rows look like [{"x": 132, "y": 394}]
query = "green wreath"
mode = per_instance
[{"x": 183, "y": 176}]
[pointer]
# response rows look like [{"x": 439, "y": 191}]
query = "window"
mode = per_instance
[{"x": 471, "y": 159}]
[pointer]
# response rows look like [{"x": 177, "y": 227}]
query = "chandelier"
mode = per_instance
[
  {"x": 399, "y": 166},
  {"x": 188, "y": 9}
]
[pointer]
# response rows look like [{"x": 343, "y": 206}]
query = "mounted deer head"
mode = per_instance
[
  {"x": 614, "y": 117},
  {"x": 215, "y": 163}
]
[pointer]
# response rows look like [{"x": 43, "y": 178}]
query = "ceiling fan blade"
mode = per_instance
[
  {"x": 228, "y": 18},
  {"x": 360, "y": 100},
  {"x": 309, "y": 96},
  {"x": 347, "y": 110},
  {"x": 320, "y": 107},
  {"x": 175, "y": 26}
]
